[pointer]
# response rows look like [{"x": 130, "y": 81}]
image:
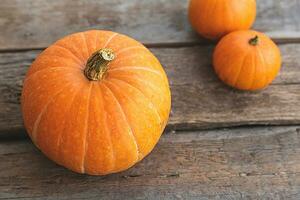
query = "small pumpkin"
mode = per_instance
[
  {"x": 247, "y": 60},
  {"x": 96, "y": 102},
  {"x": 215, "y": 18}
]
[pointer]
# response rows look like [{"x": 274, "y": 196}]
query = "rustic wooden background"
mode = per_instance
[{"x": 219, "y": 144}]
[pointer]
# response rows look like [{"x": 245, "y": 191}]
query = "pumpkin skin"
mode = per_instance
[
  {"x": 247, "y": 60},
  {"x": 215, "y": 18},
  {"x": 95, "y": 127}
]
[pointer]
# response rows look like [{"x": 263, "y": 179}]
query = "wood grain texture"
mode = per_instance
[
  {"x": 27, "y": 24},
  {"x": 199, "y": 99},
  {"x": 244, "y": 163}
]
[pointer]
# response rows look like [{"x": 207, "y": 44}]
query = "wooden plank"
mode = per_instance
[
  {"x": 28, "y": 24},
  {"x": 199, "y": 99},
  {"x": 243, "y": 163}
]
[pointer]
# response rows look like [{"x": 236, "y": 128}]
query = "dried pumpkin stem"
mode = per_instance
[
  {"x": 97, "y": 64},
  {"x": 254, "y": 41}
]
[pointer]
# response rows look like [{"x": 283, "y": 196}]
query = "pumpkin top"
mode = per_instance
[
  {"x": 97, "y": 64},
  {"x": 254, "y": 41}
]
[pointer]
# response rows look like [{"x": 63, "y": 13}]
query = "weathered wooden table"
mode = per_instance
[{"x": 219, "y": 144}]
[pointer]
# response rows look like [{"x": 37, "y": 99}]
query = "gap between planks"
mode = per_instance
[{"x": 203, "y": 42}]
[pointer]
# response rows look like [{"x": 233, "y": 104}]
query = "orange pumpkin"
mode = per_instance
[
  {"x": 96, "y": 102},
  {"x": 247, "y": 60},
  {"x": 215, "y": 18}
]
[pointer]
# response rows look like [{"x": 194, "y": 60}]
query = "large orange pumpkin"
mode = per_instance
[
  {"x": 216, "y": 18},
  {"x": 96, "y": 102},
  {"x": 247, "y": 60}
]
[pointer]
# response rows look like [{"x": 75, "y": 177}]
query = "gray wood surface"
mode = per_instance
[
  {"x": 37, "y": 23},
  {"x": 243, "y": 163},
  {"x": 199, "y": 99}
]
